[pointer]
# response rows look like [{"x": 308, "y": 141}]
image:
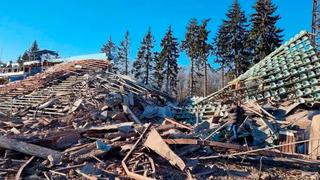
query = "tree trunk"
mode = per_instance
[
  {"x": 191, "y": 78},
  {"x": 126, "y": 70},
  {"x": 181, "y": 92},
  {"x": 167, "y": 83},
  {"x": 205, "y": 80},
  {"x": 147, "y": 72},
  {"x": 222, "y": 75},
  {"x": 236, "y": 64},
  {"x": 236, "y": 68}
]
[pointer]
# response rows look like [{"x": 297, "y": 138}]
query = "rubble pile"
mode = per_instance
[
  {"x": 274, "y": 105},
  {"x": 291, "y": 72},
  {"x": 55, "y": 73},
  {"x": 75, "y": 114},
  {"x": 79, "y": 121}
]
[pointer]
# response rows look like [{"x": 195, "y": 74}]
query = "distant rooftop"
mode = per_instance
[
  {"x": 46, "y": 51},
  {"x": 97, "y": 56}
]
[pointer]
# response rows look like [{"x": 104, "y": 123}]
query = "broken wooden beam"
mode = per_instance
[
  {"x": 34, "y": 150},
  {"x": 205, "y": 143},
  {"x": 128, "y": 111},
  {"x": 242, "y": 149},
  {"x": 124, "y": 161},
  {"x": 158, "y": 145}
]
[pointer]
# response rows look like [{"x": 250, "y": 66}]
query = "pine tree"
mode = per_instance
[
  {"x": 221, "y": 51},
  {"x": 265, "y": 35},
  {"x": 110, "y": 49},
  {"x": 143, "y": 67},
  {"x": 25, "y": 57},
  {"x": 19, "y": 60},
  {"x": 123, "y": 53},
  {"x": 231, "y": 48},
  {"x": 237, "y": 26},
  {"x": 167, "y": 63},
  {"x": 34, "y": 48},
  {"x": 204, "y": 49},
  {"x": 158, "y": 73},
  {"x": 219, "y": 46},
  {"x": 189, "y": 45}
]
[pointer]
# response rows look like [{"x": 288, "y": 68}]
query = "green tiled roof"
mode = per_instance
[{"x": 290, "y": 72}]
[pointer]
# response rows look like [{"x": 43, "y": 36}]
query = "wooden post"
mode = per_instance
[
  {"x": 30, "y": 149},
  {"x": 314, "y": 144}
]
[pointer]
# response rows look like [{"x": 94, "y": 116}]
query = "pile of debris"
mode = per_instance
[
  {"x": 76, "y": 113},
  {"x": 282, "y": 92},
  {"x": 79, "y": 121},
  {"x": 55, "y": 73}
]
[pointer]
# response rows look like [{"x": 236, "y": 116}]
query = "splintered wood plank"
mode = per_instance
[
  {"x": 314, "y": 144},
  {"x": 158, "y": 145},
  {"x": 30, "y": 149},
  {"x": 47, "y": 112}
]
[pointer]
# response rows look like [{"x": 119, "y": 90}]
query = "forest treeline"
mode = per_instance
[{"x": 239, "y": 43}]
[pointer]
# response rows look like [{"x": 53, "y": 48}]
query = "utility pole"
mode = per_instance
[{"x": 316, "y": 23}]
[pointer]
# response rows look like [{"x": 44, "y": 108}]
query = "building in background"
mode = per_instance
[{"x": 40, "y": 62}]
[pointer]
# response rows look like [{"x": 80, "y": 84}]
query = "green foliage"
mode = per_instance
[
  {"x": 34, "y": 48},
  {"x": 221, "y": 46},
  {"x": 204, "y": 49},
  {"x": 231, "y": 42},
  {"x": 167, "y": 63},
  {"x": 190, "y": 46},
  {"x": 203, "y": 46},
  {"x": 265, "y": 35},
  {"x": 109, "y": 49},
  {"x": 123, "y": 53},
  {"x": 19, "y": 60},
  {"x": 143, "y": 66},
  {"x": 198, "y": 50},
  {"x": 158, "y": 73},
  {"x": 25, "y": 57}
]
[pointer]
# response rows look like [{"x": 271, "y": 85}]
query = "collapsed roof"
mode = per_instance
[{"x": 292, "y": 71}]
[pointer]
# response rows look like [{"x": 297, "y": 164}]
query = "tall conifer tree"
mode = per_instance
[
  {"x": 123, "y": 53},
  {"x": 190, "y": 46},
  {"x": 110, "y": 49},
  {"x": 204, "y": 49},
  {"x": 265, "y": 36},
  {"x": 143, "y": 67},
  {"x": 159, "y": 70},
  {"x": 221, "y": 52},
  {"x": 32, "y": 51},
  {"x": 25, "y": 57},
  {"x": 231, "y": 46},
  {"x": 167, "y": 63}
]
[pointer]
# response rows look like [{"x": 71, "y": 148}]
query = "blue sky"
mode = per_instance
[{"x": 75, "y": 27}]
